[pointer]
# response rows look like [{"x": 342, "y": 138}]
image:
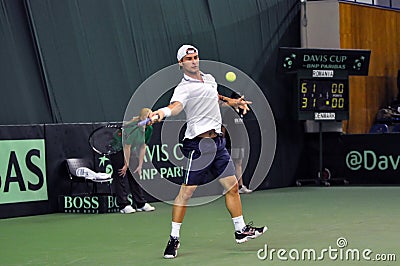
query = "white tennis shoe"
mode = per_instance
[
  {"x": 146, "y": 208},
  {"x": 128, "y": 209},
  {"x": 244, "y": 190}
]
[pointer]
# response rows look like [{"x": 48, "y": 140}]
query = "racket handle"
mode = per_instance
[{"x": 147, "y": 120}]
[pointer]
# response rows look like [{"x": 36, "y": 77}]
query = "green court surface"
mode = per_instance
[{"x": 300, "y": 220}]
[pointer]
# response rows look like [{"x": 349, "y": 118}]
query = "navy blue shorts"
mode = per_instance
[{"x": 207, "y": 159}]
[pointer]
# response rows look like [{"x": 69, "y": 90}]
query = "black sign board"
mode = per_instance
[
  {"x": 322, "y": 86},
  {"x": 372, "y": 158},
  {"x": 322, "y": 95},
  {"x": 355, "y": 62},
  {"x": 88, "y": 204}
]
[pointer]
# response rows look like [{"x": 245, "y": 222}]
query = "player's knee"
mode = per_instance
[
  {"x": 185, "y": 194},
  {"x": 234, "y": 188}
]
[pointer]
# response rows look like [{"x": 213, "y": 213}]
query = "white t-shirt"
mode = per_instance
[{"x": 200, "y": 103}]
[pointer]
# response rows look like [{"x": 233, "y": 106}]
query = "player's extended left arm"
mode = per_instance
[{"x": 236, "y": 103}]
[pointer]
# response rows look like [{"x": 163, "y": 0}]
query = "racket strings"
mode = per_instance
[
  {"x": 107, "y": 140},
  {"x": 110, "y": 139}
]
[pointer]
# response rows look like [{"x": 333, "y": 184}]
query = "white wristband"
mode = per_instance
[{"x": 167, "y": 112}]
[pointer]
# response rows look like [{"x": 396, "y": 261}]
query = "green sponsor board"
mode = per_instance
[{"x": 22, "y": 171}]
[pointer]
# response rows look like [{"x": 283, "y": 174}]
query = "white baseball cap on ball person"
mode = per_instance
[{"x": 185, "y": 50}]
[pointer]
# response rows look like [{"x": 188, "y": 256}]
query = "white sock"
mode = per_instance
[
  {"x": 238, "y": 222},
  {"x": 176, "y": 227}
]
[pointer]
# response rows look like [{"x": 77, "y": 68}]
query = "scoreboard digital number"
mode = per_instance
[
  {"x": 323, "y": 98},
  {"x": 323, "y": 95}
]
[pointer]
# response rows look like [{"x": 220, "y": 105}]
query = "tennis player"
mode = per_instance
[{"x": 203, "y": 145}]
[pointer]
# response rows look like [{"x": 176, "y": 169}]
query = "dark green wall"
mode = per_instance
[
  {"x": 70, "y": 61},
  {"x": 81, "y": 60}
]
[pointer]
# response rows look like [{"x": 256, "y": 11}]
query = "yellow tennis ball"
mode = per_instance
[{"x": 230, "y": 76}]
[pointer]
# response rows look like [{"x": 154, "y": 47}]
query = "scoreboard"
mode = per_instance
[
  {"x": 322, "y": 95},
  {"x": 321, "y": 83}
]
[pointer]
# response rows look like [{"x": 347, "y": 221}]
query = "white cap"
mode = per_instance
[{"x": 184, "y": 50}]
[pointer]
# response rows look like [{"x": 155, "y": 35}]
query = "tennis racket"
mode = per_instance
[{"x": 107, "y": 140}]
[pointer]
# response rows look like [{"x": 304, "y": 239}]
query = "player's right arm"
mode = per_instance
[{"x": 174, "y": 109}]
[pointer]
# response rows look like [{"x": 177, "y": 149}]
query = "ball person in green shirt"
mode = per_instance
[{"x": 129, "y": 163}]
